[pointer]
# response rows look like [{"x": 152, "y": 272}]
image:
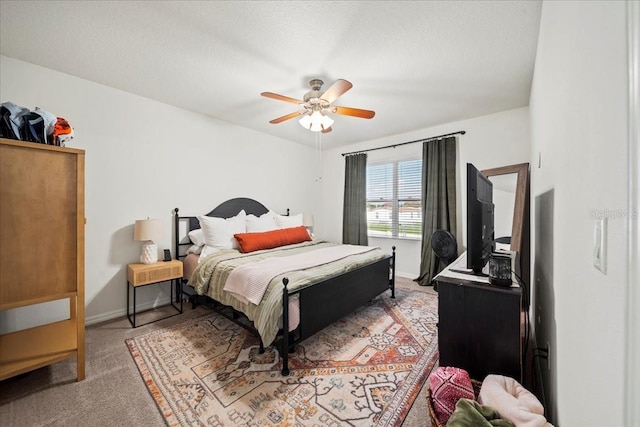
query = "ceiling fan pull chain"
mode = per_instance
[{"x": 319, "y": 155}]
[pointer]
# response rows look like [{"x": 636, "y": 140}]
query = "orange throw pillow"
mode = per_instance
[{"x": 250, "y": 242}]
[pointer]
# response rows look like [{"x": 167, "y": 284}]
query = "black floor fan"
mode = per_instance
[{"x": 444, "y": 245}]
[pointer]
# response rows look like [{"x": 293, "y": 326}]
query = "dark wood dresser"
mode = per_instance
[{"x": 479, "y": 327}]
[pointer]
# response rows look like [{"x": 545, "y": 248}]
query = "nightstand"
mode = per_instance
[{"x": 139, "y": 274}]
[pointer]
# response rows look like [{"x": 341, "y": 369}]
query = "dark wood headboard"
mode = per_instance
[{"x": 225, "y": 209}]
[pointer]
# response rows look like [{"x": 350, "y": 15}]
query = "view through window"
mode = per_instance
[{"x": 394, "y": 198}]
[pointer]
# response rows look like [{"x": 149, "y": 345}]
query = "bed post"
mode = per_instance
[
  {"x": 285, "y": 328},
  {"x": 176, "y": 236},
  {"x": 176, "y": 247},
  {"x": 392, "y": 281}
]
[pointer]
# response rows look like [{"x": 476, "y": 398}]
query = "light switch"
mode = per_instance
[{"x": 600, "y": 244}]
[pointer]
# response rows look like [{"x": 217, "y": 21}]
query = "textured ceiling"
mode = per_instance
[{"x": 417, "y": 64}]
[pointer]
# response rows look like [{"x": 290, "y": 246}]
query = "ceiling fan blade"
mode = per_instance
[
  {"x": 339, "y": 87},
  {"x": 281, "y": 98},
  {"x": 287, "y": 117},
  {"x": 327, "y": 130},
  {"x": 355, "y": 112}
]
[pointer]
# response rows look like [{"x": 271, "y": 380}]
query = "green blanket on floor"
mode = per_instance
[{"x": 471, "y": 413}]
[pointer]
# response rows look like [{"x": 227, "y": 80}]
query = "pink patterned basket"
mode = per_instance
[{"x": 446, "y": 386}]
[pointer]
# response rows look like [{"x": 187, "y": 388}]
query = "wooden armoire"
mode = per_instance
[{"x": 41, "y": 251}]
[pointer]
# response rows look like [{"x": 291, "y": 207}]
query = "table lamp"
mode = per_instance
[
  {"x": 148, "y": 230},
  {"x": 307, "y": 221}
]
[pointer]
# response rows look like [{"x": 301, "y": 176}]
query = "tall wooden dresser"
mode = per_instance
[{"x": 42, "y": 251}]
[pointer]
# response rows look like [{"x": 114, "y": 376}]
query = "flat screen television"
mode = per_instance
[{"x": 480, "y": 232}]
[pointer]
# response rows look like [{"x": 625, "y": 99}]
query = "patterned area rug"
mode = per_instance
[{"x": 364, "y": 370}]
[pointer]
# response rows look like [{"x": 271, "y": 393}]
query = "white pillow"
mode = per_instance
[
  {"x": 194, "y": 249},
  {"x": 259, "y": 224},
  {"x": 207, "y": 250},
  {"x": 283, "y": 221},
  {"x": 218, "y": 232},
  {"x": 197, "y": 237}
]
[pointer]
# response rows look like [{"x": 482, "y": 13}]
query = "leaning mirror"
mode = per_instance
[
  {"x": 504, "y": 201},
  {"x": 510, "y": 185}
]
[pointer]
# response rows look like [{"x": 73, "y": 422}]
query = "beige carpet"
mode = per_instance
[{"x": 113, "y": 393}]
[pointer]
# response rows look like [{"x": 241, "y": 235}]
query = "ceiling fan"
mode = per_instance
[{"x": 317, "y": 103}]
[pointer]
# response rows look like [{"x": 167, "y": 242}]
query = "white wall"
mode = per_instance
[
  {"x": 579, "y": 129},
  {"x": 145, "y": 158},
  {"x": 490, "y": 141}
]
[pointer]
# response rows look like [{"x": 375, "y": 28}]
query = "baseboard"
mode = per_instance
[
  {"x": 405, "y": 275},
  {"x": 103, "y": 317}
]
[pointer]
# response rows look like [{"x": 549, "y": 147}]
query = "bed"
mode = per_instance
[{"x": 300, "y": 294}]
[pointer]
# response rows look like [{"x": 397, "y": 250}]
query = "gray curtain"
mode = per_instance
[
  {"x": 354, "y": 220},
  {"x": 438, "y": 201}
]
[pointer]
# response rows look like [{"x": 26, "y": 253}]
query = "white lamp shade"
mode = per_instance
[
  {"x": 305, "y": 121},
  {"x": 307, "y": 219},
  {"x": 316, "y": 121},
  {"x": 326, "y": 121},
  {"x": 147, "y": 229}
]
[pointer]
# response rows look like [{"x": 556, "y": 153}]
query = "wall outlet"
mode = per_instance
[{"x": 548, "y": 356}]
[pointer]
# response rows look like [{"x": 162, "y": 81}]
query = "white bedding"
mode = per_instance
[{"x": 248, "y": 282}]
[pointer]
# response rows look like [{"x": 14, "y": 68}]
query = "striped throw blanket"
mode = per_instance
[{"x": 248, "y": 282}]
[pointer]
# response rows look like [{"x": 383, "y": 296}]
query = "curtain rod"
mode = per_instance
[{"x": 461, "y": 132}]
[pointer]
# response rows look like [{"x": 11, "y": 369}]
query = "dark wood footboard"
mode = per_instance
[{"x": 330, "y": 300}]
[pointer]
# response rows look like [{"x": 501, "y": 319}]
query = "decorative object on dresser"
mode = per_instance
[
  {"x": 365, "y": 369},
  {"x": 304, "y": 298},
  {"x": 148, "y": 230},
  {"x": 147, "y": 274},
  {"x": 42, "y": 252},
  {"x": 500, "y": 269}
]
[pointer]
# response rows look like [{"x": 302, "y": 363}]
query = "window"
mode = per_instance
[{"x": 394, "y": 199}]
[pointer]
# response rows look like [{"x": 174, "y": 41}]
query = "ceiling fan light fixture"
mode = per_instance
[
  {"x": 316, "y": 102},
  {"x": 326, "y": 121},
  {"x": 316, "y": 121},
  {"x": 305, "y": 121}
]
